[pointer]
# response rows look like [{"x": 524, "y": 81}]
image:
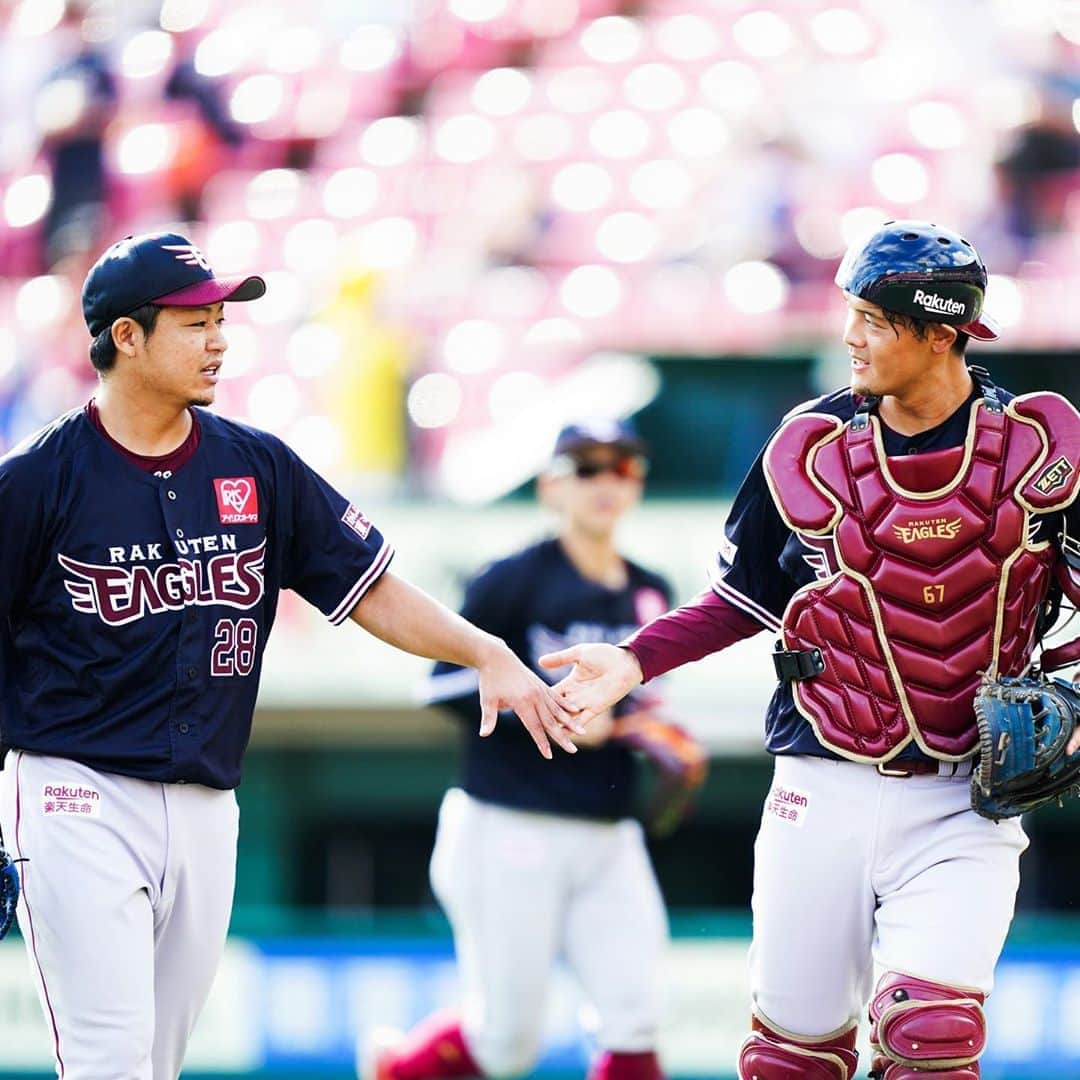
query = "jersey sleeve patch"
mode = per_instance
[{"x": 356, "y": 521}]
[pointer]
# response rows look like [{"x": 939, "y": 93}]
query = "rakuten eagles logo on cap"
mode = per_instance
[{"x": 940, "y": 305}]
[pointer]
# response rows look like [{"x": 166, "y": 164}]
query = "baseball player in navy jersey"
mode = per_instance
[
  {"x": 533, "y": 865},
  {"x": 900, "y": 537},
  {"x": 145, "y": 543}
]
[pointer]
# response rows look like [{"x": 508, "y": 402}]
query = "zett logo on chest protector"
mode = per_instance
[{"x": 237, "y": 500}]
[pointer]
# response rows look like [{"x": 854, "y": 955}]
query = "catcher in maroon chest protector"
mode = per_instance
[{"x": 903, "y": 538}]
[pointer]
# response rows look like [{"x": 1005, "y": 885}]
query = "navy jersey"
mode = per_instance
[
  {"x": 538, "y": 603},
  {"x": 762, "y": 563},
  {"x": 134, "y": 607}
]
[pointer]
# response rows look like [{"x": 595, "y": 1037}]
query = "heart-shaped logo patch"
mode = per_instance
[{"x": 237, "y": 499}]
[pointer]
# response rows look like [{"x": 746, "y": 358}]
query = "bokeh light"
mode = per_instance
[
  {"x": 474, "y": 345},
  {"x": 841, "y": 31},
  {"x": 180, "y": 16},
  {"x": 661, "y": 184},
  {"x": 687, "y": 37},
  {"x": 502, "y": 91},
  {"x": 147, "y": 148},
  {"x": 478, "y": 11},
  {"x": 274, "y": 193},
  {"x": 901, "y": 178},
  {"x": 619, "y": 134},
  {"x": 43, "y": 301},
  {"x": 257, "y": 98},
  {"x": 146, "y": 54},
  {"x": 466, "y": 138},
  {"x": 273, "y": 401},
  {"x": 27, "y": 199},
  {"x": 434, "y": 400},
  {"x": 611, "y": 40},
  {"x": 626, "y": 237},
  {"x": 756, "y": 287},
  {"x": 370, "y": 48},
  {"x": 313, "y": 350},
  {"x": 654, "y": 87},
  {"x": 581, "y": 186},
  {"x": 33, "y": 17},
  {"x": 1004, "y": 300},
  {"x": 350, "y": 192},
  {"x": 937, "y": 125},
  {"x": 591, "y": 291},
  {"x": 392, "y": 140},
  {"x": 764, "y": 34}
]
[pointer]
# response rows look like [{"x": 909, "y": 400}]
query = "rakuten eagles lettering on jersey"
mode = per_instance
[{"x": 120, "y": 595}]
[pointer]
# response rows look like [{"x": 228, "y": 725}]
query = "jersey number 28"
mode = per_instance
[{"x": 234, "y": 647}]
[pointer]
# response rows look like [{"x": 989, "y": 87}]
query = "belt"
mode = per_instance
[{"x": 904, "y": 770}]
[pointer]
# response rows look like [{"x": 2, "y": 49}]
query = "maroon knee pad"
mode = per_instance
[
  {"x": 919, "y": 1027},
  {"x": 768, "y": 1054}
]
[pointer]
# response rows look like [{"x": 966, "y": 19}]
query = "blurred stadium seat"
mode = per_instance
[{"x": 665, "y": 176}]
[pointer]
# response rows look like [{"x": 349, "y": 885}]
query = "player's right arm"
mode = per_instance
[
  {"x": 336, "y": 559},
  {"x": 407, "y": 618},
  {"x": 495, "y": 600}
]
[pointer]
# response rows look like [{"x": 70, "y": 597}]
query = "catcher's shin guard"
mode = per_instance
[
  {"x": 771, "y": 1054},
  {"x": 919, "y": 1027}
]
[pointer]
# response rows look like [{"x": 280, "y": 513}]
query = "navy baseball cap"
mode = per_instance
[
  {"x": 620, "y": 434},
  {"x": 156, "y": 268}
]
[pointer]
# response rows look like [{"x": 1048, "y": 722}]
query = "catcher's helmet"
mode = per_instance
[{"x": 920, "y": 269}]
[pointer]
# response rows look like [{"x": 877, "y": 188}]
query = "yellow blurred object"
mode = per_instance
[{"x": 367, "y": 392}]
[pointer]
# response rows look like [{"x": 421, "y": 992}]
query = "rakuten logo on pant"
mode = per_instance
[
  {"x": 788, "y": 804},
  {"x": 70, "y": 800}
]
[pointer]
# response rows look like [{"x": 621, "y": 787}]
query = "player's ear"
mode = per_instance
[
  {"x": 942, "y": 337},
  {"x": 127, "y": 335}
]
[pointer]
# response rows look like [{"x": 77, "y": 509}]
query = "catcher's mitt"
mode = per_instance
[
  {"x": 1024, "y": 725},
  {"x": 679, "y": 759},
  {"x": 9, "y": 890}
]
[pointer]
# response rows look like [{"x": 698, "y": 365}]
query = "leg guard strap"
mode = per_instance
[
  {"x": 895, "y": 1071},
  {"x": 768, "y": 1054},
  {"x": 927, "y": 1026}
]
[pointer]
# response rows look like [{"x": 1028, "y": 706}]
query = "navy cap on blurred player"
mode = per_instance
[
  {"x": 159, "y": 268},
  {"x": 621, "y": 434}
]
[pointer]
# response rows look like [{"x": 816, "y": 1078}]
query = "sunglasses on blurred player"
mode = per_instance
[{"x": 625, "y": 468}]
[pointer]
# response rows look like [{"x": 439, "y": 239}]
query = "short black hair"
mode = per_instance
[
  {"x": 921, "y": 328},
  {"x": 103, "y": 349}
]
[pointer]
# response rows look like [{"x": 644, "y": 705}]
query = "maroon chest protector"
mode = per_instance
[{"x": 933, "y": 577}]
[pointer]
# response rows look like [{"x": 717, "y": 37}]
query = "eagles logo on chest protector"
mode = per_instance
[{"x": 937, "y": 577}]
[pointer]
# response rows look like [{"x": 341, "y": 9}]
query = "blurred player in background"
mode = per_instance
[
  {"x": 145, "y": 544},
  {"x": 536, "y": 864},
  {"x": 902, "y": 536}
]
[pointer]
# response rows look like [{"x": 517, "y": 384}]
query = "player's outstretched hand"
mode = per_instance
[
  {"x": 506, "y": 683},
  {"x": 601, "y": 676}
]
